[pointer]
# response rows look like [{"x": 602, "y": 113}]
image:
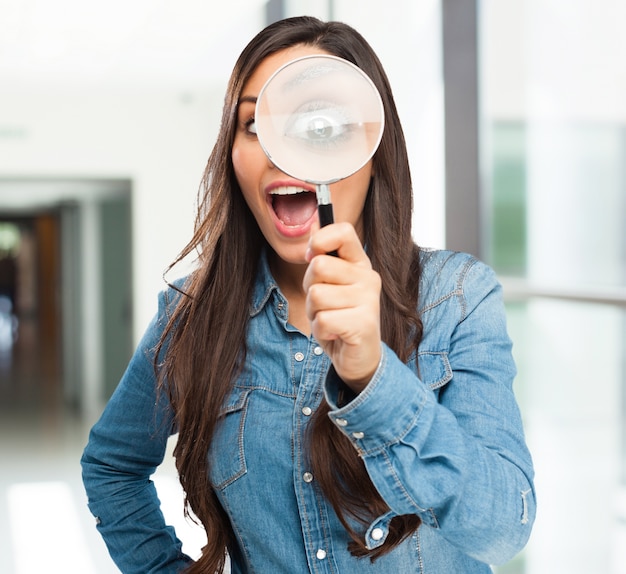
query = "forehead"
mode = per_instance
[{"x": 270, "y": 64}]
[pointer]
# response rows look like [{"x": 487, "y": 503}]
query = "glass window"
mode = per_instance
[{"x": 553, "y": 148}]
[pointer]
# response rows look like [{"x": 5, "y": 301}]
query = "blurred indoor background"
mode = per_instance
[{"x": 515, "y": 116}]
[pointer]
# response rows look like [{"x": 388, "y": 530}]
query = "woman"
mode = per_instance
[{"x": 335, "y": 414}]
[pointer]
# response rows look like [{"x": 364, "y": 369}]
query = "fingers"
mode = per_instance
[
  {"x": 340, "y": 237},
  {"x": 341, "y": 270},
  {"x": 347, "y": 281},
  {"x": 351, "y": 338},
  {"x": 347, "y": 312},
  {"x": 332, "y": 270},
  {"x": 343, "y": 302},
  {"x": 322, "y": 297},
  {"x": 350, "y": 325}
]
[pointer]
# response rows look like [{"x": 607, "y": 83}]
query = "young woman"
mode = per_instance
[{"x": 334, "y": 414}]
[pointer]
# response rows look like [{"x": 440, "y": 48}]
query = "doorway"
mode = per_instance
[
  {"x": 65, "y": 293},
  {"x": 30, "y": 341}
]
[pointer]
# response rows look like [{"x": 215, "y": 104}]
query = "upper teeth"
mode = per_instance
[{"x": 290, "y": 190}]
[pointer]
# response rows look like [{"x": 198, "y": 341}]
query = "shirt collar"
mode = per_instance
[{"x": 264, "y": 285}]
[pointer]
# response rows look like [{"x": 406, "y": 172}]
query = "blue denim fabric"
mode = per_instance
[{"x": 446, "y": 445}]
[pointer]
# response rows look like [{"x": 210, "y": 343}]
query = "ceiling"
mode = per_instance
[
  {"x": 83, "y": 43},
  {"x": 95, "y": 47}
]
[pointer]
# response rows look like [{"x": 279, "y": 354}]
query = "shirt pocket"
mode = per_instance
[
  {"x": 434, "y": 368},
  {"x": 227, "y": 461}
]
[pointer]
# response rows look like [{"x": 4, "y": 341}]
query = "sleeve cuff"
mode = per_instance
[{"x": 384, "y": 411}]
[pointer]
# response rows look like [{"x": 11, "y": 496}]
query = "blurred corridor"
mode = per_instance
[{"x": 45, "y": 525}]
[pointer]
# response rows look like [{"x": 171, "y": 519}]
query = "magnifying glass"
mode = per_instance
[{"x": 319, "y": 119}]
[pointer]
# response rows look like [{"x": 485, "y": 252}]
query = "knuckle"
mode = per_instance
[
  {"x": 322, "y": 322},
  {"x": 316, "y": 266},
  {"x": 345, "y": 227},
  {"x": 314, "y": 295}
]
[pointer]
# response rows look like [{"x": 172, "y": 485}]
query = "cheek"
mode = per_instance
[
  {"x": 355, "y": 189},
  {"x": 248, "y": 165},
  {"x": 237, "y": 158},
  {"x": 246, "y": 173}
]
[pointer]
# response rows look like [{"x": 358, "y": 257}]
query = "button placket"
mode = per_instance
[
  {"x": 313, "y": 364},
  {"x": 318, "y": 351}
]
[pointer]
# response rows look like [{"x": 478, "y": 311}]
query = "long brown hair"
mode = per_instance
[{"x": 204, "y": 343}]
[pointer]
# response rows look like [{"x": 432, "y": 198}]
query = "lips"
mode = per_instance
[{"x": 294, "y": 207}]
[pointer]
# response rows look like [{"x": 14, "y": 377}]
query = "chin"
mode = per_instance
[
  {"x": 295, "y": 259},
  {"x": 293, "y": 255}
]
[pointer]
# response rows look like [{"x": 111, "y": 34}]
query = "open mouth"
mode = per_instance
[{"x": 292, "y": 205}]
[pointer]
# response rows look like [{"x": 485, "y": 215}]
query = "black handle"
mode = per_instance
[{"x": 325, "y": 213}]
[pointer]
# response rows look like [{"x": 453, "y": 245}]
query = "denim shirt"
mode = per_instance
[{"x": 447, "y": 445}]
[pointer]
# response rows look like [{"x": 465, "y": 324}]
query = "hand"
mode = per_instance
[{"x": 343, "y": 303}]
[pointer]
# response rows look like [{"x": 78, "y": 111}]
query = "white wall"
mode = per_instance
[
  {"x": 557, "y": 66},
  {"x": 554, "y": 59}
]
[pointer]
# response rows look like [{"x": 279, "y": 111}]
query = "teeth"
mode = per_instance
[{"x": 290, "y": 190}]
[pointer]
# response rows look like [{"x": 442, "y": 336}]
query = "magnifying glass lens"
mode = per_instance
[{"x": 319, "y": 118}]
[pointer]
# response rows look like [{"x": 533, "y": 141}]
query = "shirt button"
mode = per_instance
[
  {"x": 358, "y": 435},
  {"x": 341, "y": 422},
  {"x": 306, "y": 411},
  {"x": 299, "y": 356},
  {"x": 318, "y": 351},
  {"x": 321, "y": 554},
  {"x": 307, "y": 477},
  {"x": 377, "y": 534}
]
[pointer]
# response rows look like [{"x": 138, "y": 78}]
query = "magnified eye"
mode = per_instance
[{"x": 319, "y": 124}]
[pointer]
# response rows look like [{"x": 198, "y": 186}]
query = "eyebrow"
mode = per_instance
[
  {"x": 310, "y": 74},
  {"x": 250, "y": 99}
]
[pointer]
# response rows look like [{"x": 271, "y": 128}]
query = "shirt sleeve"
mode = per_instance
[
  {"x": 458, "y": 459},
  {"x": 124, "y": 449}
]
